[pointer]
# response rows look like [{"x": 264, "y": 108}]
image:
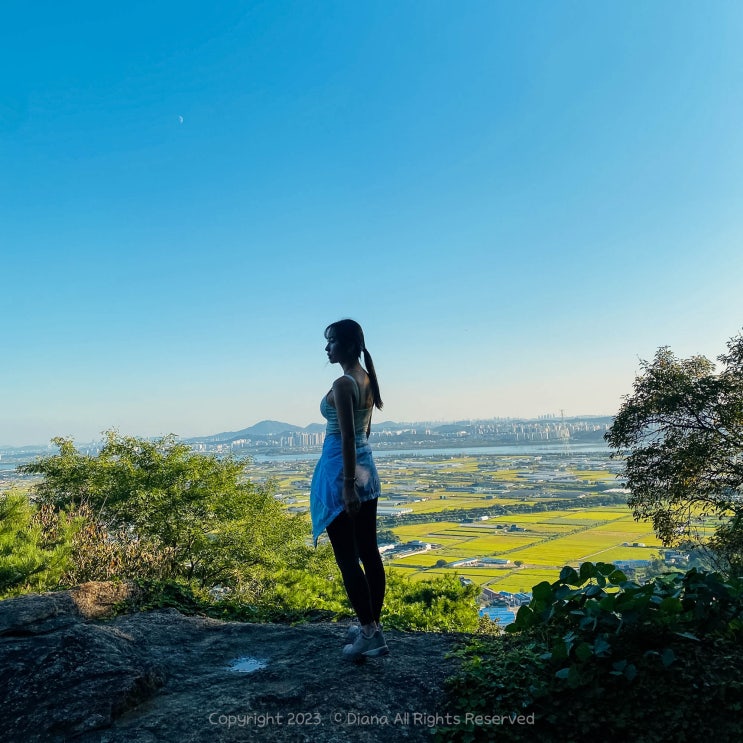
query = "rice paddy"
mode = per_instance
[{"x": 541, "y": 541}]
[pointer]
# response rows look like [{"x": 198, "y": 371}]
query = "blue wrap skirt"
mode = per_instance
[{"x": 326, "y": 492}]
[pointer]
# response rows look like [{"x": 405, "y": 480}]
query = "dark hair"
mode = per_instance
[{"x": 351, "y": 337}]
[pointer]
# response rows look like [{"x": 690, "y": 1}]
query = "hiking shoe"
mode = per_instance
[
  {"x": 353, "y": 632},
  {"x": 366, "y": 647}
]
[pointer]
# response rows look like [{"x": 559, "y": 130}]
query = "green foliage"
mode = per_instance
[
  {"x": 597, "y": 614},
  {"x": 33, "y": 557},
  {"x": 317, "y": 593},
  {"x": 727, "y": 542},
  {"x": 198, "y": 513},
  {"x": 102, "y": 553},
  {"x": 498, "y": 676},
  {"x": 197, "y": 535},
  {"x": 314, "y": 589},
  {"x": 439, "y": 605},
  {"x": 387, "y": 536},
  {"x": 682, "y": 432},
  {"x": 188, "y": 598},
  {"x": 596, "y": 656},
  {"x": 43, "y": 548}
]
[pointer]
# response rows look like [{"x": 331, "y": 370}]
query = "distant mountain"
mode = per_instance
[
  {"x": 393, "y": 425},
  {"x": 450, "y": 428},
  {"x": 266, "y": 428},
  {"x": 260, "y": 430},
  {"x": 314, "y": 428}
]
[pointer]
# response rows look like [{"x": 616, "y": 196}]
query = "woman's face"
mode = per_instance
[{"x": 334, "y": 349}]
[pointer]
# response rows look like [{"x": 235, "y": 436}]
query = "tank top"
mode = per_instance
[{"x": 361, "y": 416}]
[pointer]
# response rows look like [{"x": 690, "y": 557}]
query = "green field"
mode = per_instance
[
  {"x": 542, "y": 542},
  {"x": 551, "y": 539},
  {"x": 573, "y": 531}
]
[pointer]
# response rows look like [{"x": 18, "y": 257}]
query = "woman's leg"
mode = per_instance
[
  {"x": 368, "y": 551},
  {"x": 341, "y": 532}
]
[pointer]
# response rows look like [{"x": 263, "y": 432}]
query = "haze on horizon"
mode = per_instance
[{"x": 517, "y": 201}]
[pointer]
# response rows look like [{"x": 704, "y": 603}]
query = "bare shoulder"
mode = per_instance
[{"x": 343, "y": 385}]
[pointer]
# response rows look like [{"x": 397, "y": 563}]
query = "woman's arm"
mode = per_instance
[{"x": 343, "y": 399}]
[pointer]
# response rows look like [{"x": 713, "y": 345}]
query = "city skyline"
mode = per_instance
[
  {"x": 541, "y": 428},
  {"x": 518, "y": 203}
]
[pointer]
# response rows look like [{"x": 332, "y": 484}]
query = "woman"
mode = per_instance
[{"x": 345, "y": 486}]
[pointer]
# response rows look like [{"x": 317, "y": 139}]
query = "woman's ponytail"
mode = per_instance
[{"x": 369, "y": 364}]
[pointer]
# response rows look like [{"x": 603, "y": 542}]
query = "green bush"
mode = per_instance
[
  {"x": 596, "y": 656},
  {"x": 317, "y": 593},
  {"x": 34, "y": 554},
  {"x": 438, "y": 605},
  {"x": 99, "y": 552}
]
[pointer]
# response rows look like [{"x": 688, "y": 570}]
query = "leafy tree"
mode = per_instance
[
  {"x": 210, "y": 523},
  {"x": 682, "y": 432},
  {"x": 387, "y": 536}
]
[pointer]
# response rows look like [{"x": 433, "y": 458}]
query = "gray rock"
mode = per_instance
[
  {"x": 60, "y": 674},
  {"x": 161, "y": 676},
  {"x": 37, "y": 613}
]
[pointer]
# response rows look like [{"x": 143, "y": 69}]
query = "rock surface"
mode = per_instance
[{"x": 160, "y": 676}]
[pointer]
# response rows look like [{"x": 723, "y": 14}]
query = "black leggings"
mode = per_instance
[{"x": 353, "y": 539}]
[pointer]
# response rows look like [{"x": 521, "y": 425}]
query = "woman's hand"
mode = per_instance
[{"x": 351, "y": 499}]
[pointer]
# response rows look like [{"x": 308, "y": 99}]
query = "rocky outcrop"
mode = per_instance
[
  {"x": 60, "y": 674},
  {"x": 68, "y": 675}
]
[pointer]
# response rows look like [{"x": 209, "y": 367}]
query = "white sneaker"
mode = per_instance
[
  {"x": 367, "y": 647},
  {"x": 353, "y": 632}
]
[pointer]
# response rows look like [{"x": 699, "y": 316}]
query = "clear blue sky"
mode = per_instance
[{"x": 518, "y": 201}]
